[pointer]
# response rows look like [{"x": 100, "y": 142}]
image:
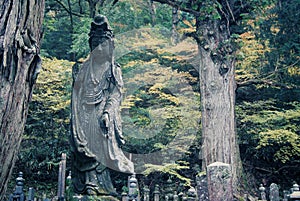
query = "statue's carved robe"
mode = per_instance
[{"x": 97, "y": 90}]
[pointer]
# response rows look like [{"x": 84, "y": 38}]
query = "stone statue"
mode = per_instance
[{"x": 96, "y": 122}]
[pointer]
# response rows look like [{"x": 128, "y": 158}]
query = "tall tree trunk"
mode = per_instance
[
  {"x": 217, "y": 86},
  {"x": 152, "y": 12},
  {"x": 20, "y": 34},
  {"x": 175, "y": 21},
  {"x": 73, "y": 55},
  {"x": 93, "y": 7}
]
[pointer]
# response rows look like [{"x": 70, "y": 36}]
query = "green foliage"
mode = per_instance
[
  {"x": 80, "y": 45},
  {"x": 160, "y": 103},
  {"x": 172, "y": 169},
  {"x": 285, "y": 144},
  {"x": 280, "y": 32},
  {"x": 269, "y": 133},
  {"x": 66, "y": 39},
  {"x": 268, "y": 103},
  {"x": 57, "y": 37}
]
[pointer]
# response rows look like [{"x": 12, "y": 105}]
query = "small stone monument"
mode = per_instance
[
  {"x": 274, "y": 192},
  {"x": 169, "y": 190},
  {"x": 202, "y": 190},
  {"x": 285, "y": 195},
  {"x": 156, "y": 193},
  {"x": 61, "y": 178},
  {"x": 133, "y": 193},
  {"x": 192, "y": 195},
  {"x": 219, "y": 182},
  {"x": 146, "y": 192},
  {"x": 296, "y": 193},
  {"x": 262, "y": 190},
  {"x": 18, "y": 195},
  {"x": 175, "y": 196},
  {"x": 30, "y": 194}
]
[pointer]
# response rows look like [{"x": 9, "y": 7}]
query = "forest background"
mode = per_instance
[{"x": 160, "y": 77}]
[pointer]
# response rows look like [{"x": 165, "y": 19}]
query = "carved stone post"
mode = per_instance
[
  {"x": 262, "y": 190},
  {"x": 169, "y": 190},
  {"x": 124, "y": 196},
  {"x": 192, "y": 195},
  {"x": 31, "y": 194},
  {"x": 219, "y": 179},
  {"x": 285, "y": 195},
  {"x": 61, "y": 178},
  {"x": 175, "y": 196},
  {"x": 133, "y": 188},
  {"x": 296, "y": 193},
  {"x": 156, "y": 193},
  {"x": 202, "y": 190},
  {"x": 274, "y": 192},
  {"x": 146, "y": 193}
]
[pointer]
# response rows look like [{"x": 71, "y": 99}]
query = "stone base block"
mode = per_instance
[{"x": 94, "y": 198}]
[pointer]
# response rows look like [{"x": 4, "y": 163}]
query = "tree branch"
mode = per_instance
[
  {"x": 192, "y": 35},
  {"x": 267, "y": 82},
  {"x": 179, "y": 6},
  {"x": 68, "y": 11}
]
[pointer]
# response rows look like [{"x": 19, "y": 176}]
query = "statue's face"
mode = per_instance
[
  {"x": 102, "y": 47},
  {"x": 95, "y": 41}
]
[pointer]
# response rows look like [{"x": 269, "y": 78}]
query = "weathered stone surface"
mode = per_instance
[
  {"x": 263, "y": 195},
  {"x": 96, "y": 123},
  {"x": 296, "y": 193},
  {"x": 94, "y": 198},
  {"x": 219, "y": 178},
  {"x": 274, "y": 192},
  {"x": 202, "y": 190}
]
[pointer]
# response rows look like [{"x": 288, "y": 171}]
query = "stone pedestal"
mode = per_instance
[
  {"x": 219, "y": 178},
  {"x": 94, "y": 198}
]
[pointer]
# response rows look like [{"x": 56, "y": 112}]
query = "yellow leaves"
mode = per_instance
[
  {"x": 247, "y": 35},
  {"x": 129, "y": 101},
  {"x": 294, "y": 70},
  {"x": 60, "y": 105},
  {"x": 54, "y": 84},
  {"x": 157, "y": 89},
  {"x": 169, "y": 168},
  {"x": 190, "y": 26},
  {"x": 250, "y": 56},
  {"x": 131, "y": 63},
  {"x": 287, "y": 141},
  {"x": 142, "y": 38},
  {"x": 188, "y": 23}
]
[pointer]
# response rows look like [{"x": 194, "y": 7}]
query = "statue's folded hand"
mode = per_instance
[{"x": 104, "y": 124}]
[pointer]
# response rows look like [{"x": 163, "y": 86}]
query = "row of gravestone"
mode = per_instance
[
  {"x": 169, "y": 193},
  {"x": 273, "y": 193},
  {"x": 158, "y": 196},
  {"x": 132, "y": 195},
  {"x": 19, "y": 195}
]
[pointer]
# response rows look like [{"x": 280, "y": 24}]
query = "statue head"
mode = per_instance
[{"x": 100, "y": 31}]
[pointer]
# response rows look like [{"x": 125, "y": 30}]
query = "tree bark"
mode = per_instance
[
  {"x": 152, "y": 12},
  {"x": 217, "y": 87},
  {"x": 175, "y": 21},
  {"x": 93, "y": 8},
  {"x": 20, "y": 35}
]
